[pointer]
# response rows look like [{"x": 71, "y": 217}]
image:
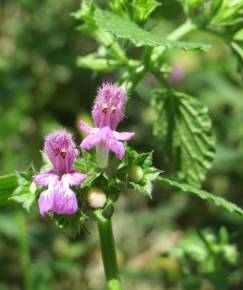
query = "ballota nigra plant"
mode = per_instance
[
  {"x": 76, "y": 185},
  {"x": 76, "y": 188},
  {"x": 85, "y": 185},
  {"x": 60, "y": 149}
]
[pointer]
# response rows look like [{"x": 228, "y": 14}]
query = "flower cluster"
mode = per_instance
[{"x": 59, "y": 147}]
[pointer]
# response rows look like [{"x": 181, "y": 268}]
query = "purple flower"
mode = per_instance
[
  {"x": 107, "y": 113},
  {"x": 58, "y": 197}
]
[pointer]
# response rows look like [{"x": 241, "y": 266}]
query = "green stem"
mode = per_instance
[
  {"x": 108, "y": 41},
  {"x": 182, "y": 30},
  {"x": 109, "y": 254},
  {"x": 24, "y": 252}
]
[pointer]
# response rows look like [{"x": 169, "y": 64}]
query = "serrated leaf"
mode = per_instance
[
  {"x": 230, "y": 13},
  {"x": 25, "y": 191},
  {"x": 87, "y": 14},
  {"x": 71, "y": 224},
  {"x": 146, "y": 186},
  {"x": 149, "y": 173},
  {"x": 219, "y": 201},
  {"x": 8, "y": 184},
  {"x": 87, "y": 164},
  {"x": 25, "y": 194},
  {"x": 185, "y": 128},
  {"x": 124, "y": 28}
]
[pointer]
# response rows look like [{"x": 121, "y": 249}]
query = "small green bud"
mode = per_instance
[
  {"x": 135, "y": 173},
  {"x": 96, "y": 198}
]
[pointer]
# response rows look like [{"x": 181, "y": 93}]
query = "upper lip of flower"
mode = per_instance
[{"x": 109, "y": 106}]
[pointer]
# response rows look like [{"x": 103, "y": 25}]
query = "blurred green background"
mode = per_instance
[{"x": 173, "y": 241}]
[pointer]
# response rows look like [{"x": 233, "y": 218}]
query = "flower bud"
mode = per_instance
[
  {"x": 135, "y": 173},
  {"x": 96, "y": 198}
]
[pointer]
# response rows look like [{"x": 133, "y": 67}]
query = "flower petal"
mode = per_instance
[
  {"x": 45, "y": 177},
  {"x": 60, "y": 150},
  {"x": 117, "y": 147},
  {"x": 45, "y": 202},
  {"x": 65, "y": 201},
  {"x": 123, "y": 136},
  {"x": 74, "y": 178},
  {"x": 89, "y": 141},
  {"x": 85, "y": 127}
]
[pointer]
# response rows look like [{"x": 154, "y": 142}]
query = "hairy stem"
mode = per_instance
[{"x": 109, "y": 254}]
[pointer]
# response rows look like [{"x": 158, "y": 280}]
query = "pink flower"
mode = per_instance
[
  {"x": 107, "y": 113},
  {"x": 58, "y": 197}
]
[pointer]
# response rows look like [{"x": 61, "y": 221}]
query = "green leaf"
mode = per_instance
[
  {"x": 87, "y": 15},
  {"x": 146, "y": 185},
  {"x": 143, "y": 163},
  {"x": 25, "y": 192},
  {"x": 238, "y": 48},
  {"x": 8, "y": 184},
  {"x": 87, "y": 164},
  {"x": 70, "y": 224},
  {"x": 185, "y": 128},
  {"x": 215, "y": 6},
  {"x": 124, "y": 28},
  {"x": 238, "y": 36},
  {"x": 143, "y": 8},
  {"x": 230, "y": 13},
  {"x": 219, "y": 201}
]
